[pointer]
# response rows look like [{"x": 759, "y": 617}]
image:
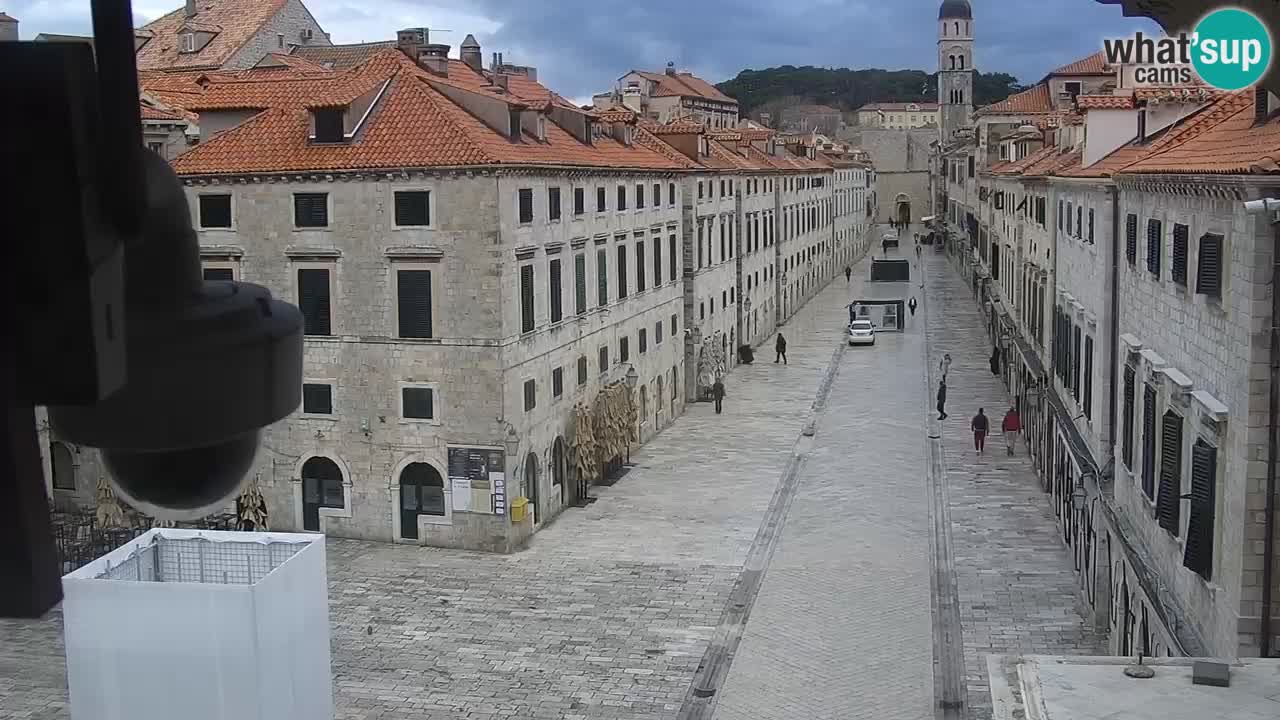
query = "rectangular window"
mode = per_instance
[
  {"x": 640, "y": 260},
  {"x": 622, "y": 198},
  {"x": 216, "y": 274},
  {"x": 671, "y": 194},
  {"x": 1154, "y": 247},
  {"x": 1131, "y": 239},
  {"x": 971, "y": 165},
  {"x": 530, "y": 395},
  {"x": 700, "y": 258},
  {"x": 700, "y": 196},
  {"x": 557, "y": 382},
  {"x": 1090, "y": 226},
  {"x": 674, "y": 325},
  {"x": 417, "y": 403},
  {"x": 579, "y": 201},
  {"x": 639, "y": 196},
  {"x": 657, "y": 261},
  {"x": 1169, "y": 501},
  {"x": 657, "y": 333},
  {"x": 1149, "y": 441},
  {"x": 215, "y": 211},
  {"x": 1075, "y": 361},
  {"x": 622, "y": 271},
  {"x": 413, "y": 208},
  {"x": 553, "y": 203},
  {"x": 1068, "y": 218},
  {"x": 1126, "y": 444},
  {"x": 413, "y": 288},
  {"x": 657, "y": 194},
  {"x": 1079, "y": 222},
  {"x": 624, "y": 349},
  {"x": 601, "y": 197},
  {"x": 313, "y": 300},
  {"x": 317, "y": 399},
  {"x": 555, "y": 291},
  {"x": 582, "y": 370},
  {"x": 1198, "y": 556},
  {"x": 644, "y": 340},
  {"x": 1061, "y": 214},
  {"x": 1088, "y": 378},
  {"x": 602, "y": 359},
  {"x": 526, "y": 205},
  {"x": 311, "y": 210},
  {"x": 526, "y": 299},
  {"x": 580, "y": 283},
  {"x": 602, "y": 278},
  {"x": 1178, "y": 255},
  {"x": 1209, "y": 266}
]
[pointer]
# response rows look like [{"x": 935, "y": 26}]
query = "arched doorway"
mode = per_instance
[
  {"x": 421, "y": 493},
  {"x": 902, "y": 208},
  {"x": 531, "y": 485},
  {"x": 558, "y": 466},
  {"x": 64, "y": 469},
  {"x": 321, "y": 488}
]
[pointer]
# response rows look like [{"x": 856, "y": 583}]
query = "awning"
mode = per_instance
[
  {"x": 1066, "y": 427},
  {"x": 1029, "y": 356}
]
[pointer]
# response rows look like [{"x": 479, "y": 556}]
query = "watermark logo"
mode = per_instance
[{"x": 1230, "y": 49}]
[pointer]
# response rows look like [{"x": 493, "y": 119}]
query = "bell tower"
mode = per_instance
[{"x": 955, "y": 67}]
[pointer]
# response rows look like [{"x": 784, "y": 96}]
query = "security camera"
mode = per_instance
[
  {"x": 1256, "y": 207},
  {"x": 208, "y": 364}
]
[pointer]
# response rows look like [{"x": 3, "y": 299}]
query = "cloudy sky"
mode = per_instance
[{"x": 582, "y": 46}]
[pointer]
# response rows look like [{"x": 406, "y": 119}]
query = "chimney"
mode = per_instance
[
  {"x": 1261, "y": 104},
  {"x": 470, "y": 53},
  {"x": 671, "y": 69},
  {"x": 500, "y": 80},
  {"x": 8, "y": 28},
  {"x": 191, "y": 8},
  {"x": 434, "y": 58},
  {"x": 411, "y": 41}
]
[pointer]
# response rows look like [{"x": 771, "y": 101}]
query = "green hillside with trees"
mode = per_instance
[{"x": 774, "y": 88}]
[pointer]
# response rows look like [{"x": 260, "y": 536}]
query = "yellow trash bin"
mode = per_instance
[{"x": 519, "y": 508}]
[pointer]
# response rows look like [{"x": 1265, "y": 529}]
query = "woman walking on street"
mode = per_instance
[
  {"x": 780, "y": 347},
  {"x": 1011, "y": 426}
]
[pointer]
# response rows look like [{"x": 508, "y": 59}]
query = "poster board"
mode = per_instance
[{"x": 477, "y": 479}]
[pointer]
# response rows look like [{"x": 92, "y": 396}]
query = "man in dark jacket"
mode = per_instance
[
  {"x": 942, "y": 399},
  {"x": 848, "y": 273},
  {"x": 911, "y": 305},
  {"x": 980, "y": 425},
  {"x": 995, "y": 361},
  {"x": 717, "y": 392},
  {"x": 780, "y": 347}
]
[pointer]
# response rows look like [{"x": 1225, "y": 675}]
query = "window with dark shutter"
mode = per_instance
[
  {"x": 1209, "y": 266},
  {"x": 1080, "y": 222},
  {"x": 1090, "y": 226},
  {"x": 414, "y": 289},
  {"x": 971, "y": 165},
  {"x": 1088, "y": 378},
  {"x": 310, "y": 210},
  {"x": 525, "y": 196},
  {"x": 1154, "y": 249},
  {"x": 219, "y": 274},
  {"x": 657, "y": 195},
  {"x": 624, "y": 349},
  {"x": 1068, "y": 219},
  {"x": 1149, "y": 441},
  {"x": 553, "y": 203},
  {"x": 622, "y": 271},
  {"x": 413, "y": 208},
  {"x": 622, "y": 198},
  {"x": 1126, "y": 444},
  {"x": 674, "y": 325},
  {"x": 1200, "y": 527},
  {"x": 671, "y": 194},
  {"x": 526, "y": 298},
  {"x": 657, "y": 333},
  {"x": 657, "y": 261},
  {"x": 644, "y": 340},
  {"x": 215, "y": 211},
  {"x": 582, "y": 370},
  {"x": 602, "y": 278},
  {"x": 602, "y": 359},
  {"x": 639, "y": 196},
  {"x": 329, "y": 126},
  {"x": 1169, "y": 501},
  {"x": 640, "y": 261},
  {"x": 317, "y": 398},
  {"x": 419, "y": 403},
  {"x": 601, "y": 198},
  {"x": 1178, "y": 258},
  {"x": 1131, "y": 239},
  {"x": 579, "y": 201},
  {"x": 557, "y": 382},
  {"x": 579, "y": 283},
  {"x": 1075, "y": 361},
  {"x": 555, "y": 291},
  {"x": 1061, "y": 214},
  {"x": 530, "y": 395},
  {"x": 313, "y": 300}
]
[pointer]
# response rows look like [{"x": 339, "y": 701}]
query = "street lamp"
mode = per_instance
[{"x": 632, "y": 378}]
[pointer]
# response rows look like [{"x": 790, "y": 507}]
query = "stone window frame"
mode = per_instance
[
  {"x": 393, "y": 488},
  {"x": 436, "y": 405},
  {"x": 325, "y": 512},
  {"x": 309, "y": 189},
  {"x": 200, "y": 226},
  {"x": 223, "y": 262},
  {"x": 332, "y": 417},
  {"x": 396, "y": 265},
  {"x": 306, "y": 262},
  {"x": 432, "y": 216}
]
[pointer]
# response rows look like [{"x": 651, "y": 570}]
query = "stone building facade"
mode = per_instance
[
  {"x": 671, "y": 96},
  {"x": 225, "y": 35},
  {"x": 898, "y": 116}
]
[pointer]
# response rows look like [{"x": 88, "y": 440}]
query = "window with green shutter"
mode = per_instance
[
  {"x": 557, "y": 382},
  {"x": 1169, "y": 501},
  {"x": 530, "y": 395},
  {"x": 582, "y": 370},
  {"x": 1209, "y": 266},
  {"x": 317, "y": 399},
  {"x": 622, "y": 271},
  {"x": 313, "y": 300},
  {"x": 1154, "y": 247},
  {"x": 1178, "y": 254},
  {"x": 1088, "y": 378},
  {"x": 555, "y": 291},
  {"x": 526, "y": 299},
  {"x": 1131, "y": 239},
  {"x": 640, "y": 262},
  {"x": 1126, "y": 442},
  {"x": 1198, "y": 556},
  {"x": 1149, "y": 441},
  {"x": 674, "y": 268},
  {"x": 580, "y": 283},
  {"x": 311, "y": 210},
  {"x": 553, "y": 203},
  {"x": 657, "y": 261},
  {"x": 413, "y": 208},
  {"x": 602, "y": 278},
  {"x": 602, "y": 359},
  {"x": 413, "y": 288}
]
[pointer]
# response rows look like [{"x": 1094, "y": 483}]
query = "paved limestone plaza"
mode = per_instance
[{"x": 612, "y": 609}]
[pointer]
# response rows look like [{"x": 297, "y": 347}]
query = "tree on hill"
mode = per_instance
[{"x": 774, "y": 88}]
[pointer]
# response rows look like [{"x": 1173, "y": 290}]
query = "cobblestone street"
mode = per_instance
[{"x": 609, "y": 612}]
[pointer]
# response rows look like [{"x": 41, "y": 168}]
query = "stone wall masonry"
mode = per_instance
[{"x": 290, "y": 21}]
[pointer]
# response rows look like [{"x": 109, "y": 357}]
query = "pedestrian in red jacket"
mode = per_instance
[{"x": 1011, "y": 426}]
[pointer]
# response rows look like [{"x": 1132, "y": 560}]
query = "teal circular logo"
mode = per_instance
[{"x": 1231, "y": 49}]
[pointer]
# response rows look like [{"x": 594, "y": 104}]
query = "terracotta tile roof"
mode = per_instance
[
  {"x": 1095, "y": 64},
  {"x": 1202, "y": 120},
  {"x": 1018, "y": 166},
  {"x": 755, "y": 133},
  {"x": 615, "y": 115},
  {"x": 1105, "y": 102},
  {"x": 340, "y": 57},
  {"x": 1224, "y": 140},
  {"x": 236, "y": 21},
  {"x": 154, "y": 113},
  {"x": 648, "y": 140},
  {"x": 900, "y": 106},
  {"x": 1107, "y": 166},
  {"x": 412, "y": 126},
  {"x": 678, "y": 127},
  {"x": 1190, "y": 93},
  {"x": 292, "y": 61},
  {"x": 684, "y": 84},
  {"x": 1033, "y": 100}
]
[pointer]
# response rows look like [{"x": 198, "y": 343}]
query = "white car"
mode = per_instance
[{"x": 862, "y": 332}]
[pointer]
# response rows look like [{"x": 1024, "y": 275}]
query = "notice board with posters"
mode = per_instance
[{"x": 477, "y": 478}]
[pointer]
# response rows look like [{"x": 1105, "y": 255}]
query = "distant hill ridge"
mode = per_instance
[{"x": 772, "y": 89}]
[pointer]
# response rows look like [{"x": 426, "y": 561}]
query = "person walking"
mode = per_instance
[
  {"x": 980, "y": 425},
  {"x": 945, "y": 365},
  {"x": 995, "y": 361},
  {"x": 780, "y": 349},
  {"x": 853, "y": 312},
  {"x": 848, "y": 274},
  {"x": 717, "y": 392},
  {"x": 918, "y": 251},
  {"x": 1011, "y": 426},
  {"x": 911, "y": 305},
  {"x": 942, "y": 399},
  {"x": 884, "y": 247}
]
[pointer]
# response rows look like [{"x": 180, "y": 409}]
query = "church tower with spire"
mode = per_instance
[{"x": 955, "y": 67}]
